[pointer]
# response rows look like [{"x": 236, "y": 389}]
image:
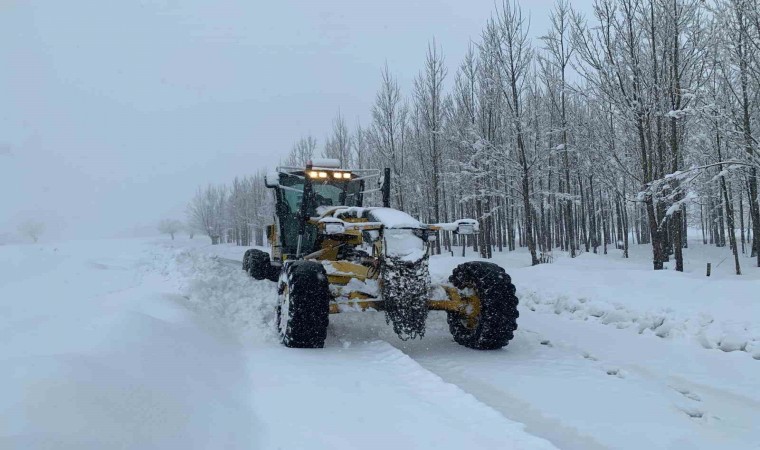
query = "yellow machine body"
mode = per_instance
[{"x": 344, "y": 276}]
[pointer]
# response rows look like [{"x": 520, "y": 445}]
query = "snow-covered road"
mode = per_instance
[
  {"x": 150, "y": 344},
  {"x": 585, "y": 385}
]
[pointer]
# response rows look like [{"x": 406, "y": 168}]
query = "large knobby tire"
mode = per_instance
[
  {"x": 303, "y": 307},
  {"x": 259, "y": 265},
  {"x": 497, "y": 321},
  {"x": 247, "y": 260}
]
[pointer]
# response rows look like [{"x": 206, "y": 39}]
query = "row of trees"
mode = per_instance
[
  {"x": 634, "y": 124},
  {"x": 627, "y": 127},
  {"x": 235, "y": 213}
]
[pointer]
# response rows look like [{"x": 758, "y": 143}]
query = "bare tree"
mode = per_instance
[
  {"x": 743, "y": 61},
  {"x": 360, "y": 148},
  {"x": 189, "y": 228},
  {"x": 31, "y": 229},
  {"x": 338, "y": 145},
  {"x": 509, "y": 41},
  {"x": 388, "y": 124},
  {"x": 560, "y": 51},
  {"x": 428, "y": 95},
  {"x": 170, "y": 227},
  {"x": 302, "y": 151},
  {"x": 207, "y": 212}
]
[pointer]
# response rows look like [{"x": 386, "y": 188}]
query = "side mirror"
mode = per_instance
[
  {"x": 272, "y": 180},
  {"x": 466, "y": 226}
]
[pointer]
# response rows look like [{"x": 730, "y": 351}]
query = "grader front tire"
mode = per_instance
[
  {"x": 494, "y": 326},
  {"x": 303, "y": 307}
]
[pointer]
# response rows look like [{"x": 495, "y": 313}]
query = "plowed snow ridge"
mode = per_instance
[{"x": 728, "y": 336}]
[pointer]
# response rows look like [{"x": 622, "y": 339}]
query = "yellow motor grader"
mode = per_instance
[{"x": 332, "y": 255}]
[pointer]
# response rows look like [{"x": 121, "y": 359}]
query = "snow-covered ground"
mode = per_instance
[{"x": 168, "y": 344}]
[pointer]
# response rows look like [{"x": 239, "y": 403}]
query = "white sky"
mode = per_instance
[{"x": 112, "y": 113}]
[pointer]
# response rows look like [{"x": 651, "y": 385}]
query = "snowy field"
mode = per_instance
[{"x": 152, "y": 343}]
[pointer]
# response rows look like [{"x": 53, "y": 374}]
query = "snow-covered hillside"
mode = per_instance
[{"x": 158, "y": 344}]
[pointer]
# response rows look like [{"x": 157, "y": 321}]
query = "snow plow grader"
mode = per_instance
[{"x": 332, "y": 255}]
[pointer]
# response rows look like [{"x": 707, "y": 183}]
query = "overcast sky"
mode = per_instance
[{"x": 112, "y": 113}]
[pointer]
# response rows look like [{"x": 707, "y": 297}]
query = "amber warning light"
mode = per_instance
[{"x": 323, "y": 174}]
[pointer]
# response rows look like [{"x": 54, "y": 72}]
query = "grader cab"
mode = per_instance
[{"x": 332, "y": 255}]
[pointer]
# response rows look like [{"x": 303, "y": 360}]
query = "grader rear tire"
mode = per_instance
[
  {"x": 497, "y": 321},
  {"x": 259, "y": 265},
  {"x": 247, "y": 260}
]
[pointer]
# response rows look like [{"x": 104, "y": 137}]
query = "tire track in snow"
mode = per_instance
[
  {"x": 430, "y": 384},
  {"x": 674, "y": 382},
  {"x": 232, "y": 263},
  {"x": 442, "y": 358},
  {"x": 507, "y": 405},
  {"x": 599, "y": 401}
]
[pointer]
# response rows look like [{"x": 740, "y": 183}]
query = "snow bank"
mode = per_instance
[
  {"x": 727, "y": 336},
  {"x": 721, "y": 312},
  {"x": 716, "y": 313},
  {"x": 215, "y": 288},
  {"x": 98, "y": 352}
]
